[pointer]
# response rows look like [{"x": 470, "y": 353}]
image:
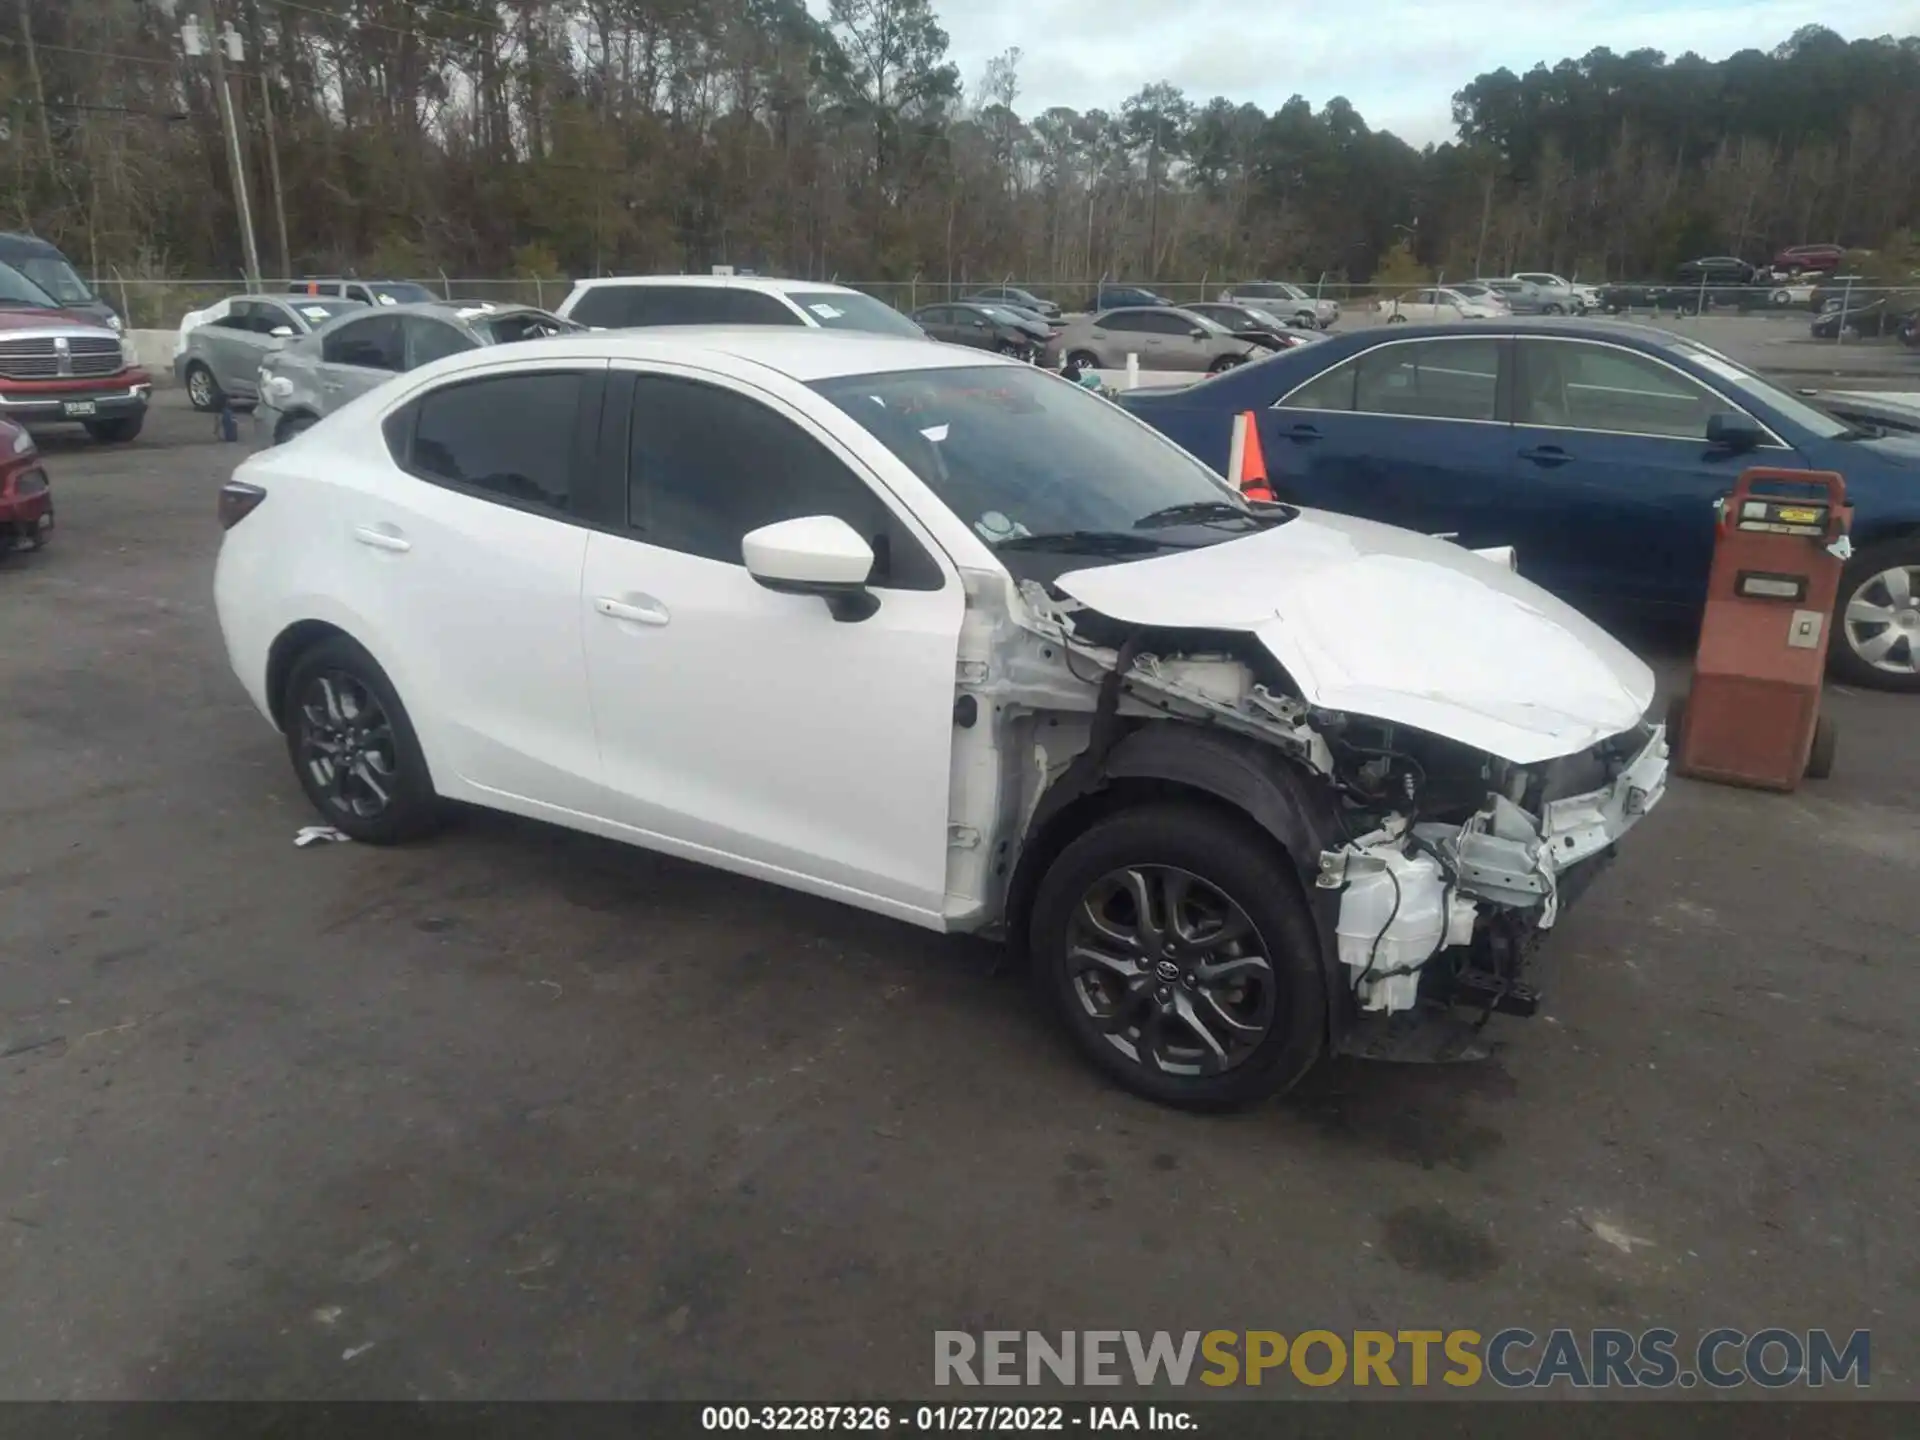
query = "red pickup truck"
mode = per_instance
[{"x": 59, "y": 367}]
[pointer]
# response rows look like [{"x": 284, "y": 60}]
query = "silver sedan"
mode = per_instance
[
  {"x": 1165, "y": 337},
  {"x": 219, "y": 357},
  {"x": 306, "y": 381}
]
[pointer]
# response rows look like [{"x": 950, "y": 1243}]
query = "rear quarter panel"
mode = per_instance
[{"x": 283, "y": 563}]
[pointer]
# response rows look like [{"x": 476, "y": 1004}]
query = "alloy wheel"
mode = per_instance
[
  {"x": 347, "y": 745},
  {"x": 200, "y": 388},
  {"x": 1170, "y": 970},
  {"x": 1883, "y": 620}
]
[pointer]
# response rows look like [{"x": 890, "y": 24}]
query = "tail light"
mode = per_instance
[{"x": 238, "y": 500}]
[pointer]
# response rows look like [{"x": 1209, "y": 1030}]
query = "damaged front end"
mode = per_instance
[
  {"x": 1433, "y": 867},
  {"x": 1441, "y": 904}
]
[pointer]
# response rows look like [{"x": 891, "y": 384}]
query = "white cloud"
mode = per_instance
[{"x": 1398, "y": 61}]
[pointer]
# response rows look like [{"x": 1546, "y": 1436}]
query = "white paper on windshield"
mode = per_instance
[
  {"x": 827, "y": 312},
  {"x": 935, "y": 433},
  {"x": 315, "y": 312}
]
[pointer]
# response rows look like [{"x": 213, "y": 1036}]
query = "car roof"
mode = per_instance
[
  {"x": 766, "y": 284},
  {"x": 802, "y": 354},
  {"x": 30, "y": 245},
  {"x": 1590, "y": 329}
]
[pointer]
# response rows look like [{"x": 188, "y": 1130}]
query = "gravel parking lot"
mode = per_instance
[{"x": 520, "y": 1113}]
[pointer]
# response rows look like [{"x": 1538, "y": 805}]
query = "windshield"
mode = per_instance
[
  {"x": 17, "y": 289},
  {"x": 57, "y": 278},
  {"x": 840, "y": 310},
  {"x": 1004, "y": 316},
  {"x": 1265, "y": 317},
  {"x": 400, "y": 292},
  {"x": 1017, "y": 453},
  {"x": 1818, "y": 422}
]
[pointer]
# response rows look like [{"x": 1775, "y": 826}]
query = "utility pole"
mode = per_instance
[
  {"x": 273, "y": 166},
  {"x": 39, "y": 86},
  {"x": 227, "y": 45}
]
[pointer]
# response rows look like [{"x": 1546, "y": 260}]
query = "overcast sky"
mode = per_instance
[{"x": 1398, "y": 61}]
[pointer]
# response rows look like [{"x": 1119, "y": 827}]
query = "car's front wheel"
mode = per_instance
[
  {"x": 1176, "y": 945},
  {"x": 354, "y": 748},
  {"x": 1877, "y": 639},
  {"x": 1084, "y": 360}
]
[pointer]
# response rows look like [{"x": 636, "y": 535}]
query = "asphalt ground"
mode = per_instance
[{"x": 519, "y": 1113}]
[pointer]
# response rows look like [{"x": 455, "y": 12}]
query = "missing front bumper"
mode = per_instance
[{"x": 1449, "y": 915}]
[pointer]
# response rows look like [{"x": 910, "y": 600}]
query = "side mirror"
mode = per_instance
[
  {"x": 281, "y": 332},
  {"x": 1197, "y": 333},
  {"x": 1733, "y": 431},
  {"x": 814, "y": 555}
]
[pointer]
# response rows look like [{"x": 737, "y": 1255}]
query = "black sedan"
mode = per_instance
[{"x": 983, "y": 327}]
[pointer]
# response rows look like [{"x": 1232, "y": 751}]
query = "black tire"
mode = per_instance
[
  {"x": 290, "y": 426},
  {"x": 1826, "y": 739},
  {"x": 1676, "y": 719},
  {"x": 1233, "y": 860},
  {"x": 1084, "y": 359},
  {"x": 203, "y": 391},
  {"x": 1860, "y": 581},
  {"x": 1225, "y": 363},
  {"x": 1396, "y": 318},
  {"x": 119, "y": 430},
  {"x": 389, "y": 758}
]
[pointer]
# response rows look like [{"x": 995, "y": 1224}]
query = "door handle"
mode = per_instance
[
  {"x": 644, "y": 610},
  {"x": 1302, "y": 432},
  {"x": 1548, "y": 455},
  {"x": 381, "y": 539}
]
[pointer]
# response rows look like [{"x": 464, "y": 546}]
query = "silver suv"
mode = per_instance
[{"x": 309, "y": 379}]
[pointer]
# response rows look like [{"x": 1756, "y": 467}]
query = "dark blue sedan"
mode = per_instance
[{"x": 1597, "y": 449}]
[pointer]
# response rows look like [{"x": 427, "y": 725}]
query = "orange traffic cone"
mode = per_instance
[{"x": 1248, "y": 466}]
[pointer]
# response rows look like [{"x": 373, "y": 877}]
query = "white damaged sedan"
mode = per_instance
[{"x": 950, "y": 639}]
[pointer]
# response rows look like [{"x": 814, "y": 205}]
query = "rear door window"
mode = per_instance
[
  {"x": 429, "y": 340},
  {"x": 371, "y": 344},
  {"x": 1431, "y": 379},
  {"x": 507, "y": 437}
]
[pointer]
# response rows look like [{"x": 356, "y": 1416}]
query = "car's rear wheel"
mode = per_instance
[
  {"x": 1226, "y": 362},
  {"x": 354, "y": 748},
  {"x": 203, "y": 391},
  {"x": 119, "y": 430},
  {"x": 1084, "y": 360},
  {"x": 1877, "y": 639},
  {"x": 1176, "y": 946},
  {"x": 290, "y": 426}
]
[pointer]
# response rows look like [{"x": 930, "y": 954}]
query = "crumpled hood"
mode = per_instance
[{"x": 1382, "y": 622}]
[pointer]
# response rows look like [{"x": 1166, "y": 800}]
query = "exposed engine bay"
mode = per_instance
[{"x": 1439, "y": 865}]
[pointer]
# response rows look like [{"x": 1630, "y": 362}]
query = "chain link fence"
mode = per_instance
[{"x": 1867, "y": 310}]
